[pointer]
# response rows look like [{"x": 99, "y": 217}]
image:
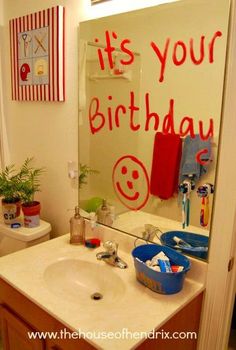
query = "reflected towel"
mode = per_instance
[
  {"x": 167, "y": 153},
  {"x": 190, "y": 167}
]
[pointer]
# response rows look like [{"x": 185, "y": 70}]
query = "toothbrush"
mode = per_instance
[
  {"x": 185, "y": 188},
  {"x": 204, "y": 215},
  {"x": 187, "y": 208},
  {"x": 183, "y": 210},
  {"x": 180, "y": 243},
  {"x": 204, "y": 192}
]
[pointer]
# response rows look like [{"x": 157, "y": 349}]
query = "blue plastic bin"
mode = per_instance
[
  {"x": 195, "y": 240},
  {"x": 160, "y": 282}
]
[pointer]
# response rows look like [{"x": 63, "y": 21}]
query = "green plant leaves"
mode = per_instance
[
  {"x": 22, "y": 184},
  {"x": 84, "y": 171}
]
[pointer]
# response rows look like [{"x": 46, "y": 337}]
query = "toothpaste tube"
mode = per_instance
[
  {"x": 181, "y": 243},
  {"x": 164, "y": 265},
  {"x": 155, "y": 258},
  {"x": 163, "y": 262}
]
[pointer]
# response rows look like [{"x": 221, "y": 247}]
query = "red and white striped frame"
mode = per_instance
[{"x": 53, "y": 18}]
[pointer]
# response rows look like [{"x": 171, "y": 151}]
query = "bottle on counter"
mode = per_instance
[
  {"x": 104, "y": 215},
  {"x": 77, "y": 228}
]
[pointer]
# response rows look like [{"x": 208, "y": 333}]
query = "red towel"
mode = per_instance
[{"x": 167, "y": 153}]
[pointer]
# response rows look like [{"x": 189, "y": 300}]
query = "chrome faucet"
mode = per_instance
[
  {"x": 110, "y": 255},
  {"x": 150, "y": 232}
]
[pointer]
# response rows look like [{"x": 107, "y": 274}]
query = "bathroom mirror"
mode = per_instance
[
  {"x": 151, "y": 91},
  {"x": 93, "y": 2}
]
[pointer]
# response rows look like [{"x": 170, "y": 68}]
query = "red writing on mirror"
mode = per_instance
[
  {"x": 110, "y": 118},
  {"x": 109, "y": 49},
  {"x": 177, "y": 52}
]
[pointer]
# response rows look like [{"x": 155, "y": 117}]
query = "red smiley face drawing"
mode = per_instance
[{"x": 131, "y": 182}]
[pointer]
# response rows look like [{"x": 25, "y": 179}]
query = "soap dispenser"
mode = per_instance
[
  {"x": 77, "y": 228},
  {"x": 104, "y": 214}
]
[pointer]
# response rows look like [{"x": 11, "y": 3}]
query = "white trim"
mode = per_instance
[
  {"x": 4, "y": 146},
  {"x": 61, "y": 10},
  {"x": 220, "y": 291}
]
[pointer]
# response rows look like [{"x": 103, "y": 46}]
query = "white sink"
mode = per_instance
[{"x": 78, "y": 280}]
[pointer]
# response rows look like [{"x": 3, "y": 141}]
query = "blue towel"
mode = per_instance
[{"x": 190, "y": 168}]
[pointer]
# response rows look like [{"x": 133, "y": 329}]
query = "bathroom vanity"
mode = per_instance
[{"x": 48, "y": 288}]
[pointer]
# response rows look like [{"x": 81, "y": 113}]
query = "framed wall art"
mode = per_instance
[{"x": 37, "y": 56}]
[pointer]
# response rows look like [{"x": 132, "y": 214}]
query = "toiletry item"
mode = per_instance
[
  {"x": 155, "y": 268},
  {"x": 193, "y": 249},
  {"x": 184, "y": 205},
  {"x": 148, "y": 262},
  {"x": 153, "y": 264},
  {"x": 93, "y": 219},
  {"x": 113, "y": 213},
  {"x": 163, "y": 262},
  {"x": 104, "y": 214},
  {"x": 92, "y": 243},
  {"x": 164, "y": 265},
  {"x": 154, "y": 260},
  {"x": 204, "y": 213},
  {"x": 181, "y": 243},
  {"x": 204, "y": 192},
  {"x": 185, "y": 189},
  {"x": 77, "y": 228},
  {"x": 176, "y": 268},
  {"x": 15, "y": 225}
]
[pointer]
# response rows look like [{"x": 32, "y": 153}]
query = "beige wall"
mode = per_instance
[
  {"x": 1, "y": 12},
  {"x": 48, "y": 131}
]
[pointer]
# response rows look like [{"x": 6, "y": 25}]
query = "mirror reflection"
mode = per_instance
[{"x": 150, "y": 107}]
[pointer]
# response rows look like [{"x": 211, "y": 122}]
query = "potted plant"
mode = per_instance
[
  {"x": 9, "y": 190},
  {"x": 28, "y": 186}
]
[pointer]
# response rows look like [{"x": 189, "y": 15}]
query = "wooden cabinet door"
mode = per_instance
[
  {"x": 53, "y": 347},
  {"x": 15, "y": 333},
  {"x": 186, "y": 320}
]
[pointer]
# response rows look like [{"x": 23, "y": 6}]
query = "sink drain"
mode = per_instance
[{"x": 96, "y": 296}]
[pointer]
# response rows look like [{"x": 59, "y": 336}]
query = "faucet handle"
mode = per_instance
[{"x": 111, "y": 247}]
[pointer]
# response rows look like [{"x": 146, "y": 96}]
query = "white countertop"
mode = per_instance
[{"x": 138, "y": 310}]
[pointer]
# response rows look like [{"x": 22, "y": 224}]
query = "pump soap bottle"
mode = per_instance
[
  {"x": 77, "y": 228},
  {"x": 104, "y": 214}
]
